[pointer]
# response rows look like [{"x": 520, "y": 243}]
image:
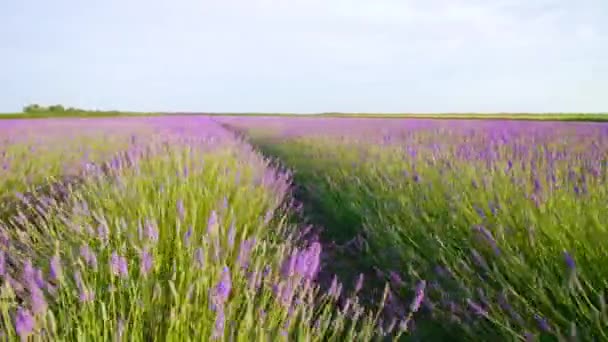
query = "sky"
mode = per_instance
[{"x": 306, "y": 56}]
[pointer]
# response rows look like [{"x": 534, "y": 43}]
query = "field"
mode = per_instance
[{"x": 233, "y": 228}]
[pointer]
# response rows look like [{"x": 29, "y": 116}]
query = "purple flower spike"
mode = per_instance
[
  {"x": 359, "y": 283},
  {"x": 38, "y": 301},
  {"x": 396, "y": 279},
  {"x": 151, "y": 231},
  {"x": 2, "y": 264},
  {"x": 56, "y": 271},
  {"x": 181, "y": 212},
  {"x": 419, "y": 296},
  {"x": 231, "y": 235},
  {"x": 212, "y": 223},
  {"x": 245, "y": 252},
  {"x": 542, "y": 323},
  {"x": 187, "y": 236},
  {"x": 146, "y": 263},
  {"x": 24, "y": 323},
  {"x": 569, "y": 261},
  {"x": 222, "y": 290},
  {"x": 103, "y": 233},
  {"x": 118, "y": 265},
  {"x": 477, "y": 309},
  {"x": 199, "y": 257},
  {"x": 88, "y": 256},
  {"x": 218, "y": 327},
  {"x": 288, "y": 268},
  {"x": 29, "y": 275}
]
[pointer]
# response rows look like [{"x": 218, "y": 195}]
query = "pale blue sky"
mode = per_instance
[{"x": 306, "y": 55}]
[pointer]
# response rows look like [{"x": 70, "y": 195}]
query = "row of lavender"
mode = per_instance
[
  {"x": 175, "y": 230},
  {"x": 501, "y": 223}
]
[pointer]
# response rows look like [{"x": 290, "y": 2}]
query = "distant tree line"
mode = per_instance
[{"x": 57, "y": 108}]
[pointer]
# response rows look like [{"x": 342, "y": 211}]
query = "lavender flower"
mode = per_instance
[
  {"x": 24, "y": 323},
  {"x": 335, "y": 289},
  {"x": 231, "y": 235},
  {"x": 37, "y": 299},
  {"x": 146, "y": 263},
  {"x": 187, "y": 236},
  {"x": 218, "y": 327},
  {"x": 288, "y": 267},
  {"x": 55, "y": 269},
  {"x": 118, "y": 265},
  {"x": 103, "y": 233},
  {"x": 396, "y": 279},
  {"x": 569, "y": 261},
  {"x": 88, "y": 256},
  {"x": 181, "y": 212},
  {"x": 359, "y": 283},
  {"x": 221, "y": 292},
  {"x": 542, "y": 323},
  {"x": 477, "y": 309},
  {"x": 212, "y": 223},
  {"x": 199, "y": 257},
  {"x": 151, "y": 231},
  {"x": 245, "y": 251},
  {"x": 415, "y": 306},
  {"x": 2, "y": 264}
]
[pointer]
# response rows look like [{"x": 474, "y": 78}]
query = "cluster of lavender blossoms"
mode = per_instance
[{"x": 147, "y": 222}]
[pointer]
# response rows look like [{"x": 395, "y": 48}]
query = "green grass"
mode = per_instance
[
  {"x": 468, "y": 228},
  {"x": 195, "y": 194}
]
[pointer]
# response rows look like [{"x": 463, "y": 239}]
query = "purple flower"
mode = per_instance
[
  {"x": 479, "y": 260},
  {"x": 286, "y": 293},
  {"x": 218, "y": 327},
  {"x": 212, "y": 223},
  {"x": 181, "y": 212},
  {"x": 288, "y": 267},
  {"x": 24, "y": 323},
  {"x": 268, "y": 216},
  {"x": 231, "y": 235},
  {"x": 146, "y": 263},
  {"x": 477, "y": 309},
  {"x": 396, "y": 279},
  {"x": 199, "y": 257},
  {"x": 245, "y": 252},
  {"x": 29, "y": 272},
  {"x": 103, "y": 233},
  {"x": 307, "y": 262},
  {"x": 187, "y": 236},
  {"x": 569, "y": 261},
  {"x": 38, "y": 301},
  {"x": 86, "y": 296},
  {"x": 542, "y": 323},
  {"x": 415, "y": 306},
  {"x": 55, "y": 270},
  {"x": 359, "y": 283},
  {"x": 223, "y": 288},
  {"x": 2, "y": 264},
  {"x": 88, "y": 256},
  {"x": 254, "y": 280},
  {"x": 335, "y": 288},
  {"x": 39, "y": 278},
  {"x": 118, "y": 265},
  {"x": 151, "y": 231},
  {"x": 485, "y": 234}
]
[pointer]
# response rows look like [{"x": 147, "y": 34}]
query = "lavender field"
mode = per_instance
[
  {"x": 302, "y": 229},
  {"x": 494, "y": 228}
]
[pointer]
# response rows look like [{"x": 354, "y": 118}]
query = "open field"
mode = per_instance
[
  {"x": 590, "y": 117},
  {"x": 159, "y": 228},
  {"x": 319, "y": 228},
  {"x": 502, "y": 220}
]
